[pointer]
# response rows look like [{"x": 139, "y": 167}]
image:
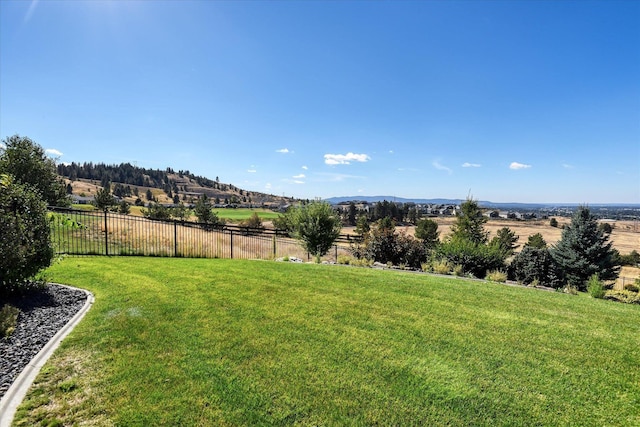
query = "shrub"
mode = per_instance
[
  {"x": 253, "y": 224},
  {"x": 156, "y": 211},
  {"x": 441, "y": 267},
  {"x": 632, "y": 259},
  {"x": 497, "y": 276},
  {"x": 631, "y": 287},
  {"x": 344, "y": 259},
  {"x": 362, "y": 262},
  {"x": 475, "y": 258},
  {"x": 595, "y": 286},
  {"x": 25, "y": 246},
  {"x": 8, "y": 320},
  {"x": 382, "y": 244},
  {"x": 534, "y": 264},
  {"x": 626, "y": 297},
  {"x": 458, "y": 270}
]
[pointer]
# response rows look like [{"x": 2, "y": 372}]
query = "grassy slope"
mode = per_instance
[{"x": 224, "y": 342}]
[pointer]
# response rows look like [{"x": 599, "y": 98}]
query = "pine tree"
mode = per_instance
[
  {"x": 584, "y": 250},
  {"x": 469, "y": 224}
]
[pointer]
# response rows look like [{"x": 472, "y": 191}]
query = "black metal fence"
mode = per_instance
[{"x": 79, "y": 232}]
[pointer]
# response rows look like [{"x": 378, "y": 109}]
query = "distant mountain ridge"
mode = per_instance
[{"x": 482, "y": 203}]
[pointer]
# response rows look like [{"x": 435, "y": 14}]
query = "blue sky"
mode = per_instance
[{"x": 509, "y": 101}]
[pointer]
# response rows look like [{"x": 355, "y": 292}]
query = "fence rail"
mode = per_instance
[{"x": 78, "y": 232}]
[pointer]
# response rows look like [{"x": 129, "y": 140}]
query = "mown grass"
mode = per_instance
[
  {"x": 230, "y": 342},
  {"x": 241, "y": 214}
]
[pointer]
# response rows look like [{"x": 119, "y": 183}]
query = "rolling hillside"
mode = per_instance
[{"x": 165, "y": 186}]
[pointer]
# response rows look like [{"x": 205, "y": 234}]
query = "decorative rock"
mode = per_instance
[{"x": 42, "y": 314}]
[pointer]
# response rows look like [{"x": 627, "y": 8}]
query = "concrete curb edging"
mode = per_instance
[{"x": 18, "y": 390}]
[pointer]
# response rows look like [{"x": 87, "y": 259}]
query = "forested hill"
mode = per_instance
[{"x": 183, "y": 184}]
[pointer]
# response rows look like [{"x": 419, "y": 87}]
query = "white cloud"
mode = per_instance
[
  {"x": 52, "y": 152},
  {"x": 299, "y": 176},
  {"x": 283, "y": 150},
  {"x": 345, "y": 159},
  {"x": 517, "y": 166},
  {"x": 298, "y": 182},
  {"x": 436, "y": 164},
  {"x": 252, "y": 170},
  {"x": 304, "y": 167},
  {"x": 268, "y": 186},
  {"x": 338, "y": 177},
  {"x": 471, "y": 165},
  {"x": 567, "y": 166},
  {"x": 390, "y": 151}
]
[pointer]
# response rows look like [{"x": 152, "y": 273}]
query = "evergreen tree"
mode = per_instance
[
  {"x": 584, "y": 250},
  {"x": 505, "y": 240},
  {"x": 469, "y": 224},
  {"x": 535, "y": 264},
  {"x": 427, "y": 231},
  {"x": 124, "y": 208},
  {"x": 203, "y": 211},
  {"x": 536, "y": 241},
  {"x": 103, "y": 199},
  {"x": 351, "y": 217},
  {"x": 362, "y": 225}
]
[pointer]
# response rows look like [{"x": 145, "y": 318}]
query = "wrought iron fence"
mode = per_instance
[{"x": 79, "y": 232}]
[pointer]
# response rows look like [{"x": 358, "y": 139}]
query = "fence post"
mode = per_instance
[
  {"x": 175, "y": 238},
  {"x": 274, "y": 247},
  {"x": 106, "y": 235},
  {"x": 231, "y": 231},
  {"x": 336, "y": 248}
]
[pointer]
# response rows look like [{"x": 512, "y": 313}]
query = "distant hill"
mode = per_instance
[
  {"x": 166, "y": 186},
  {"x": 484, "y": 203},
  {"x": 372, "y": 199}
]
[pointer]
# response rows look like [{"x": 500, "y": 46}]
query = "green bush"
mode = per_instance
[
  {"x": 535, "y": 264},
  {"x": 595, "y": 287},
  {"x": 632, "y": 259},
  {"x": 474, "y": 258},
  {"x": 8, "y": 320},
  {"x": 25, "y": 246},
  {"x": 496, "y": 276},
  {"x": 383, "y": 244}
]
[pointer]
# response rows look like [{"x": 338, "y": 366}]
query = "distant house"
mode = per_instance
[{"x": 82, "y": 200}]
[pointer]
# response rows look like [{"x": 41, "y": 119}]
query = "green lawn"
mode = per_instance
[
  {"x": 240, "y": 214},
  {"x": 229, "y": 342}
]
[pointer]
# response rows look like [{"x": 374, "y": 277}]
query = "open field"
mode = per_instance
[
  {"x": 229, "y": 214},
  {"x": 83, "y": 233},
  {"x": 227, "y": 342}
]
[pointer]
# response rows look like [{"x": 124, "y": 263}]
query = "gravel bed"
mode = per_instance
[{"x": 42, "y": 314}]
